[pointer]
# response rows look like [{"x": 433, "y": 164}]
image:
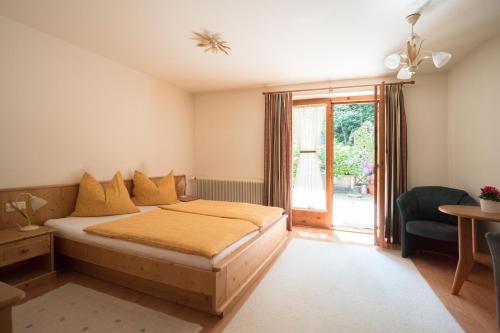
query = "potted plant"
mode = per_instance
[
  {"x": 368, "y": 172},
  {"x": 490, "y": 199}
]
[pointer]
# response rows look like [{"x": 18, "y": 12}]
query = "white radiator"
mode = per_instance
[{"x": 230, "y": 190}]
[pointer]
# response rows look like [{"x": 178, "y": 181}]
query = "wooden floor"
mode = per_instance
[{"x": 474, "y": 308}]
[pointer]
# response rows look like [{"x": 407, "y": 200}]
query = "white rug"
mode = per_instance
[
  {"x": 73, "y": 308},
  {"x": 333, "y": 287}
]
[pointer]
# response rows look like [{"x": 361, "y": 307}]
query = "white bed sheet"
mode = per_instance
[{"x": 72, "y": 228}]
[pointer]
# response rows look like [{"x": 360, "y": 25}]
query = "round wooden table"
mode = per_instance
[{"x": 467, "y": 246}]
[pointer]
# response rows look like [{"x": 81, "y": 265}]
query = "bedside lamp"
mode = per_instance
[
  {"x": 192, "y": 186},
  {"x": 35, "y": 202},
  {"x": 182, "y": 183}
]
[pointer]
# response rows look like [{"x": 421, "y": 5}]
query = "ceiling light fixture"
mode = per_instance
[
  {"x": 211, "y": 42},
  {"x": 410, "y": 59}
]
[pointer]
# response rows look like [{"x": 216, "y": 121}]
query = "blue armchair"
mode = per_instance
[{"x": 423, "y": 226}]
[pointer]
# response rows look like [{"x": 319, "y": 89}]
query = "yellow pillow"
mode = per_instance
[
  {"x": 147, "y": 193},
  {"x": 94, "y": 200}
]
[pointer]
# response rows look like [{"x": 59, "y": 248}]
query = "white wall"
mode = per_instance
[
  {"x": 229, "y": 135},
  {"x": 474, "y": 121},
  {"x": 426, "y": 112},
  {"x": 64, "y": 110},
  {"x": 229, "y": 130}
]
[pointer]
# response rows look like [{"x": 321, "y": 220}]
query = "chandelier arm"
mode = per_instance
[{"x": 419, "y": 47}]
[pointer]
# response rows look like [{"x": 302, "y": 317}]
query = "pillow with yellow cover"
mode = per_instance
[
  {"x": 147, "y": 193},
  {"x": 94, "y": 200}
]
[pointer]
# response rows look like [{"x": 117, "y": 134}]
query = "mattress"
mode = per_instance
[{"x": 72, "y": 228}]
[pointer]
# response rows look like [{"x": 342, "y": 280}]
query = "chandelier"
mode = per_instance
[
  {"x": 211, "y": 42},
  {"x": 413, "y": 56}
]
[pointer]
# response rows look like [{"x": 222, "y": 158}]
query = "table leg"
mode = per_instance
[
  {"x": 474, "y": 237},
  {"x": 466, "y": 260}
]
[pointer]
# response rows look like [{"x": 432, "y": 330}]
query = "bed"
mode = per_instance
[
  {"x": 211, "y": 285},
  {"x": 72, "y": 228},
  {"x": 208, "y": 285}
]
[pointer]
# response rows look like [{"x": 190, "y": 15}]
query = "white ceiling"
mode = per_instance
[{"x": 273, "y": 42}]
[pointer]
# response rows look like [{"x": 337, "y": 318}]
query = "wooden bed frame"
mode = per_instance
[{"x": 214, "y": 291}]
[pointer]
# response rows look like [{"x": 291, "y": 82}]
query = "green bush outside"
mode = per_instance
[{"x": 354, "y": 147}]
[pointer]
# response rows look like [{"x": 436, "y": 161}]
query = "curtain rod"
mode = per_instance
[{"x": 341, "y": 87}]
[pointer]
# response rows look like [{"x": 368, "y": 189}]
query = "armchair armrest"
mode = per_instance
[
  {"x": 407, "y": 206},
  {"x": 468, "y": 201}
]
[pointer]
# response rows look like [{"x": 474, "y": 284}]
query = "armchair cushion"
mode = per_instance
[{"x": 435, "y": 230}]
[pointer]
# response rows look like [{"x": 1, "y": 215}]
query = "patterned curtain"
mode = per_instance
[
  {"x": 396, "y": 158},
  {"x": 278, "y": 152}
]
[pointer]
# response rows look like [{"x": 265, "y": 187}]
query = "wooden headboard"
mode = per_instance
[{"x": 61, "y": 200}]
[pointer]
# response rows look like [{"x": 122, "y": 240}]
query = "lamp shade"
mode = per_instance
[
  {"x": 404, "y": 74},
  {"x": 440, "y": 58},
  {"x": 392, "y": 61},
  {"x": 37, "y": 202}
]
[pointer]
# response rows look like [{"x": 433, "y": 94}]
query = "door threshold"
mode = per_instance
[{"x": 351, "y": 229}]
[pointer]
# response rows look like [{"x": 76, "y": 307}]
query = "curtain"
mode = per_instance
[
  {"x": 278, "y": 152},
  {"x": 396, "y": 159},
  {"x": 308, "y": 185}
]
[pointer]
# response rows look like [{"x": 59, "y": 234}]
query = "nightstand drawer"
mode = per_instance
[{"x": 24, "y": 249}]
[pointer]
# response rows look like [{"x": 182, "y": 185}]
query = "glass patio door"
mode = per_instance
[
  {"x": 354, "y": 165},
  {"x": 312, "y": 163}
]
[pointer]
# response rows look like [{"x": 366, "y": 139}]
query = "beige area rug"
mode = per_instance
[
  {"x": 333, "y": 287},
  {"x": 73, "y": 308}
]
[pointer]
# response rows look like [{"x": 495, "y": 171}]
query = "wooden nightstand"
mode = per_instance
[
  {"x": 26, "y": 257},
  {"x": 186, "y": 198}
]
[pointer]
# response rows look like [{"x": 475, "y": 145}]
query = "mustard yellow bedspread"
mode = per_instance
[
  {"x": 257, "y": 214},
  {"x": 202, "y": 235}
]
